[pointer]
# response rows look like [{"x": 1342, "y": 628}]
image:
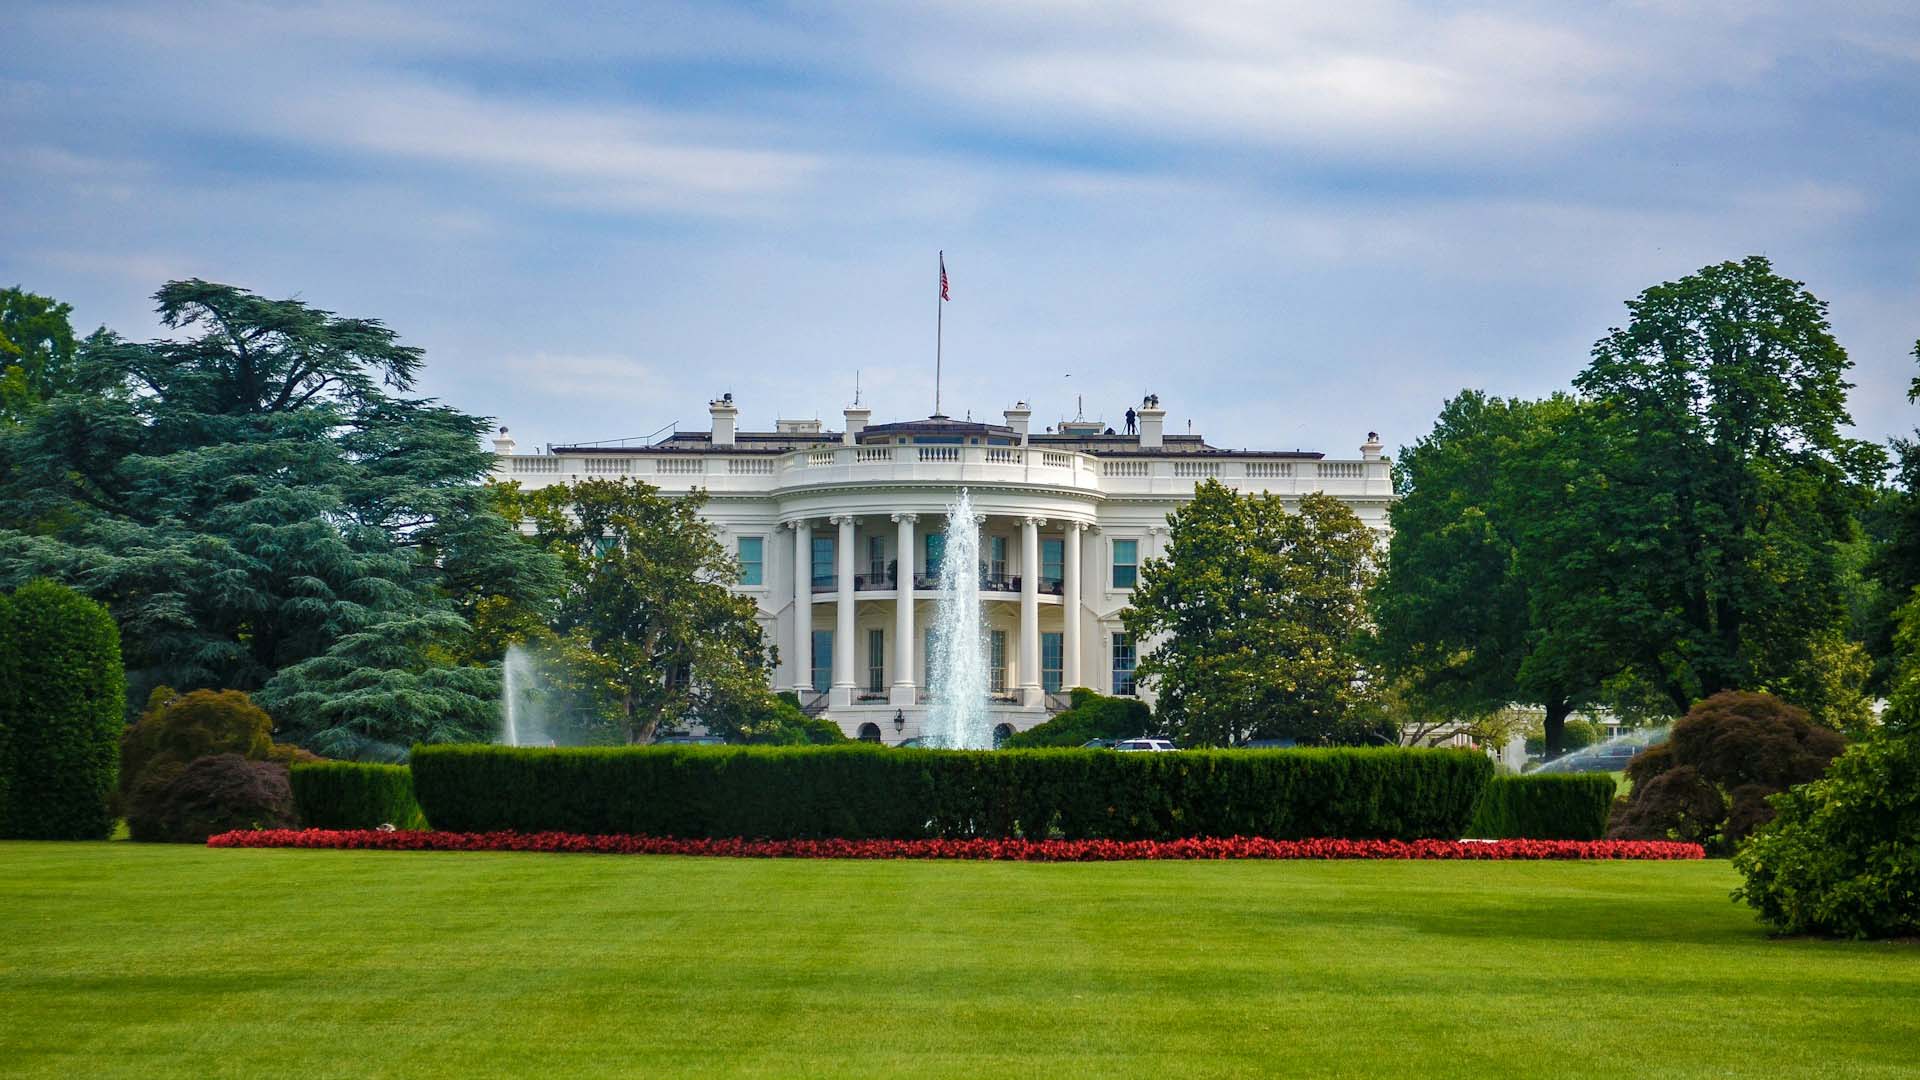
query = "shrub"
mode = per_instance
[
  {"x": 867, "y": 792},
  {"x": 1709, "y": 783},
  {"x": 1842, "y": 856},
  {"x": 1552, "y": 806},
  {"x": 185, "y": 804},
  {"x": 355, "y": 795},
  {"x": 1575, "y": 734},
  {"x": 64, "y": 713},
  {"x": 1089, "y": 716},
  {"x": 178, "y": 729}
]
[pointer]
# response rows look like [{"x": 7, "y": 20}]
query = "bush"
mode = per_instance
[
  {"x": 868, "y": 792},
  {"x": 1575, "y": 734},
  {"x": 63, "y": 715},
  {"x": 1709, "y": 783},
  {"x": 177, "y": 729},
  {"x": 185, "y": 804},
  {"x": 1842, "y": 855},
  {"x": 1090, "y": 716},
  {"x": 355, "y": 795},
  {"x": 1553, "y": 806}
]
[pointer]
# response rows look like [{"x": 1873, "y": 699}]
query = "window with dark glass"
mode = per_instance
[
  {"x": 1051, "y": 653},
  {"x": 823, "y": 560},
  {"x": 877, "y": 559},
  {"x": 822, "y": 660},
  {"x": 997, "y": 662},
  {"x": 1126, "y": 563},
  {"x": 876, "y": 661},
  {"x": 936, "y": 550},
  {"x": 752, "y": 560},
  {"x": 1053, "y": 562},
  {"x": 1123, "y": 661}
]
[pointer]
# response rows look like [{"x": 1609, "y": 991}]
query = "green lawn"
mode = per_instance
[{"x": 127, "y": 959}]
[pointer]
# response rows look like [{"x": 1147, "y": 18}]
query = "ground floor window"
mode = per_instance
[
  {"x": 1001, "y": 733},
  {"x": 1123, "y": 661},
  {"x": 869, "y": 732},
  {"x": 876, "y": 661},
  {"x": 822, "y": 660},
  {"x": 1052, "y": 651}
]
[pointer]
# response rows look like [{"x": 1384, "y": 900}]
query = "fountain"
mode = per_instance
[
  {"x": 958, "y": 718},
  {"x": 519, "y": 724}
]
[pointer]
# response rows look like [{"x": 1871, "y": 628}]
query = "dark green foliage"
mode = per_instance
[
  {"x": 256, "y": 492},
  {"x": 65, "y": 710},
  {"x": 861, "y": 791},
  {"x": 1090, "y": 716},
  {"x": 1710, "y": 782},
  {"x": 1842, "y": 855},
  {"x": 177, "y": 804},
  {"x": 1554, "y": 806},
  {"x": 1575, "y": 734},
  {"x": 767, "y": 719},
  {"x": 179, "y": 728},
  {"x": 355, "y": 795},
  {"x": 36, "y": 351}
]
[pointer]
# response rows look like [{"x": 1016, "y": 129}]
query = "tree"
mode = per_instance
[
  {"x": 1091, "y": 716},
  {"x": 1892, "y": 525},
  {"x": 1710, "y": 782},
  {"x": 1454, "y": 606},
  {"x": 64, "y": 722},
  {"x": 1254, "y": 618},
  {"x": 1687, "y": 524},
  {"x": 254, "y": 493},
  {"x": 36, "y": 351},
  {"x": 647, "y": 625}
]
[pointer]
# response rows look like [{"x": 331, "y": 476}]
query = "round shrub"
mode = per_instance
[
  {"x": 182, "y": 727},
  {"x": 63, "y": 716},
  {"x": 1842, "y": 856},
  {"x": 185, "y": 804},
  {"x": 1710, "y": 782},
  {"x": 1089, "y": 716}
]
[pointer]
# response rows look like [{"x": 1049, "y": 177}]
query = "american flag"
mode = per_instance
[{"x": 943, "y": 277}]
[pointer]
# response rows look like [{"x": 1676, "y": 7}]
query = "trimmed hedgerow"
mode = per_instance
[
  {"x": 355, "y": 795},
  {"x": 1554, "y": 806},
  {"x": 868, "y": 792},
  {"x": 64, "y": 715}
]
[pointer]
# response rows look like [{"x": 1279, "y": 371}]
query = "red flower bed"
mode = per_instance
[{"x": 1233, "y": 847}]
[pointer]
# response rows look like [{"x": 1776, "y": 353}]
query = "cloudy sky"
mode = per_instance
[{"x": 1293, "y": 222}]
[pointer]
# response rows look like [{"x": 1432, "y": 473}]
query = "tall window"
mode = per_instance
[
  {"x": 876, "y": 661},
  {"x": 1051, "y": 652},
  {"x": 822, "y": 660},
  {"x": 997, "y": 661},
  {"x": 603, "y": 545},
  {"x": 877, "y": 559},
  {"x": 1123, "y": 661},
  {"x": 997, "y": 557},
  {"x": 823, "y": 560},
  {"x": 929, "y": 663},
  {"x": 753, "y": 552},
  {"x": 1053, "y": 561},
  {"x": 936, "y": 549},
  {"x": 1126, "y": 563}
]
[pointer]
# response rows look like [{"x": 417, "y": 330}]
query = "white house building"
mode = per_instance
[{"x": 840, "y": 537}]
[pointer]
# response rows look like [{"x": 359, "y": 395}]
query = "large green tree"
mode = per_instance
[
  {"x": 36, "y": 351},
  {"x": 648, "y": 628},
  {"x": 1688, "y": 523},
  {"x": 260, "y": 491},
  {"x": 1454, "y": 606},
  {"x": 1253, "y": 619}
]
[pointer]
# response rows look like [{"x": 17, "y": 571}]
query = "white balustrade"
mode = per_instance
[
  {"x": 1196, "y": 468},
  {"x": 679, "y": 466},
  {"x": 607, "y": 465},
  {"x": 1270, "y": 470}
]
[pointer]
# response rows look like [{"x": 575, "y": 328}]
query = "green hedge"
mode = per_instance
[
  {"x": 355, "y": 795},
  {"x": 65, "y": 711},
  {"x": 1554, "y": 806},
  {"x": 863, "y": 791}
]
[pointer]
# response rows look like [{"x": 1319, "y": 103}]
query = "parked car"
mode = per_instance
[{"x": 1152, "y": 746}]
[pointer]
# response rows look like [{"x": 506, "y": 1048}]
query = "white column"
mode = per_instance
[
  {"x": 904, "y": 690},
  {"x": 1030, "y": 693},
  {"x": 843, "y": 684},
  {"x": 802, "y": 608},
  {"x": 1070, "y": 612}
]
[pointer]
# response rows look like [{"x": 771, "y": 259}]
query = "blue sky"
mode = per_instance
[{"x": 1295, "y": 223}]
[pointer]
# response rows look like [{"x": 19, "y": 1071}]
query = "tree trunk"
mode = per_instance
[{"x": 1556, "y": 726}]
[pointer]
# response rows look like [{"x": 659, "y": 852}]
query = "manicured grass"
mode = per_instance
[{"x": 126, "y": 959}]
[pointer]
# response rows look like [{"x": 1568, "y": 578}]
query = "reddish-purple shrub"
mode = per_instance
[{"x": 186, "y": 804}]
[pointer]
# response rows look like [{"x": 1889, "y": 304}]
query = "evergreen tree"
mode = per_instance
[
  {"x": 1252, "y": 621},
  {"x": 259, "y": 492},
  {"x": 36, "y": 351}
]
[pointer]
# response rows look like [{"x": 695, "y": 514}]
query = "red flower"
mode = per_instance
[{"x": 1211, "y": 847}]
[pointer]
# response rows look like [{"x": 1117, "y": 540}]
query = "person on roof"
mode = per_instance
[{"x": 1130, "y": 419}]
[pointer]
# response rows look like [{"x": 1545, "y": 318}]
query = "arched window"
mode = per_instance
[
  {"x": 869, "y": 732},
  {"x": 1001, "y": 733}
]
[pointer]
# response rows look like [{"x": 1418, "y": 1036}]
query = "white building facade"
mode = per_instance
[{"x": 840, "y": 537}]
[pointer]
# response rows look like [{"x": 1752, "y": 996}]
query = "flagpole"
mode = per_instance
[{"x": 939, "y": 328}]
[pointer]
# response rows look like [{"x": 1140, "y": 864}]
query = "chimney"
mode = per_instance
[
  {"x": 857, "y": 417},
  {"x": 1370, "y": 450},
  {"x": 1153, "y": 421},
  {"x": 503, "y": 443},
  {"x": 724, "y": 414},
  {"x": 1017, "y": 418}
]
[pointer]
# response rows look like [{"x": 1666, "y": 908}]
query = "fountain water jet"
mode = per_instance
[
  {"x": 958, "y": 718},
  {"x": 519, "y": 725}
]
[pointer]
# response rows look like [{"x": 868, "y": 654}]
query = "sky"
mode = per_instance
[{"x": 1295, "y": 223}]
